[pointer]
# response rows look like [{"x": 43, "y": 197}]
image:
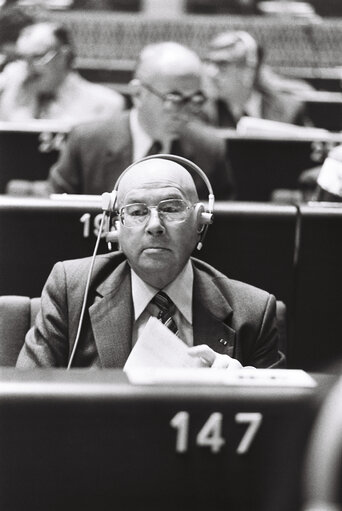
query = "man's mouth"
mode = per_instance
[{"x": 155, "y": 250}]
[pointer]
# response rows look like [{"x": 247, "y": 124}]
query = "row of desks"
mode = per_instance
[
  {"x": 260, "y": 164},
  {"x": 293, "y": 252}
]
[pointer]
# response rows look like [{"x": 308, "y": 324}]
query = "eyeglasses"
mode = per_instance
[
  {"x": 178, "y": 100},
  {"x": 169, "y": 210},
  {"x": 39, "y": 60}
]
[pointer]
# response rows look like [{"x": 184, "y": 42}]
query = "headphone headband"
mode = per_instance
[{"x": 109, "y": 199}]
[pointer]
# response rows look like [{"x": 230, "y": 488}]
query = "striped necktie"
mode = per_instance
[{"x": 166, "y": 310}]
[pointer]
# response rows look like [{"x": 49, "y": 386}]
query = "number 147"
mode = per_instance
[{"x": 210, "y": 435}]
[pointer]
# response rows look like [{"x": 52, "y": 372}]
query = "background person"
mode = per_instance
[
  {"x": 238, "y": 84},
  {"x": 167, "y": 96},
  {"x": 12, "y": 20},
  {"x": 224, "y": 322},
  {"x": 43, "y": 85}
]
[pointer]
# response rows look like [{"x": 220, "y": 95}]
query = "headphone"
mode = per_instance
[{"x": 204, "y": 217}]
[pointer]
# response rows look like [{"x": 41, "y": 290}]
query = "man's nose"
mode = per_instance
[{"x": 154, "y": 225}]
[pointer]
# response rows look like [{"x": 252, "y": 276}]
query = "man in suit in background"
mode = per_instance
[
  {"x": 239, "y": 84},
  {"x": 42, "y": 84},
  {"x": 224, "y": 323},
  {"x": 167, "y": 96}
]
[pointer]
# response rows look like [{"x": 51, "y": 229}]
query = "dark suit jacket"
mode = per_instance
[
  {"x": 97, "y": 152},
  {"x": 231, "y": 317}
]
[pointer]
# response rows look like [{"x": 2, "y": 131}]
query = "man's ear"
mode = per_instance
[{"x": 134, "y": 89}]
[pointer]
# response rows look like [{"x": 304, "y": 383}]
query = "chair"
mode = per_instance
[
  {"x": 17, "y": 314},
  {"x": 282, "y": 326}
]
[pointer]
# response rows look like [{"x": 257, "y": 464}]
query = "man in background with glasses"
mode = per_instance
[
  {"x": 238, "y": 84},
  {"x": 223, "y": 323},
  {"x": 167, "y": 96},
  {"x": 42, "y": 84}
]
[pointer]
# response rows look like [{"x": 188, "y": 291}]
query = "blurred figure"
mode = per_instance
[
  {"x": 324, "y": 182},
  {"x": 43, "y": 85},
  {"x": 167, "y": 96},
  {"x": 240, "y": 84},
  {"x": 12, "y": 20}
]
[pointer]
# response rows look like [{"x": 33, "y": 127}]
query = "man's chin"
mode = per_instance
[{"x": 156, "y": 259}]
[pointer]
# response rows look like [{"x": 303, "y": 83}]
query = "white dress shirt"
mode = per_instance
[{"x": 179, "y": 291}]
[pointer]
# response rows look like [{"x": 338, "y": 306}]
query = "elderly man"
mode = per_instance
[
  {"x": 238, "y": 84},
  {"x": 43, "y": 85},
  {"x": 225, "y": 323},
  {"x": 167, "y": 96}
]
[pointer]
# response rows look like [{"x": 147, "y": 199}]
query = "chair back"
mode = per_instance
[{"x": 17, "y": 315}]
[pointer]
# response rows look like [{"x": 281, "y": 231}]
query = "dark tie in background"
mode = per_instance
[
  {"x": 43, "y": 102},
  {"x": 155, "y": 148},
  {"x": 166, "y": 310}
]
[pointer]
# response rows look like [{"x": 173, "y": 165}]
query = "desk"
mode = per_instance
[
  {"x": 85, "y": 440},
  {"x": 264, "y": 164},
  {"x": 318, "y": 301},
  {"x": 28, "y": 150}
]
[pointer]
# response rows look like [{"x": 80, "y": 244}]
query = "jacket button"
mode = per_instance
[{"x": 224, "y": 342}]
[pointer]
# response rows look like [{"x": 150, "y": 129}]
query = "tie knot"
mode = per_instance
[
  {"x": 166, "y": 310},
  {"x": 164, "y": 303}
]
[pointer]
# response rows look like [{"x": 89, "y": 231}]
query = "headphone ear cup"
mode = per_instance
[
  {"x": 112, "y": 236},
  {"x": 199, "y": 210}
]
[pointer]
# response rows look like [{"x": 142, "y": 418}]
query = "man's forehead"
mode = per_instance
[
  {"x": 36, "y": 38},
  {"x": 156, "y": 173}
]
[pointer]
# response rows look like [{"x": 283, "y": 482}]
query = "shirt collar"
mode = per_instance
[
  {"x": 141, "y": 140},
  {"x": 179, "y": 290}
]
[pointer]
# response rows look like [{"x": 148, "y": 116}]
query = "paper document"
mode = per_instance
[
  {"x": 263, "y": 128},
  {"x": 158, "y": 347}
]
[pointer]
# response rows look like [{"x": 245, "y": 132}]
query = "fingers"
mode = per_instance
[
  {"x": 209, "y": 358},
  {"x": 204, "y": 353}
]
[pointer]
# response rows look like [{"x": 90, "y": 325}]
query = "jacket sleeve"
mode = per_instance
[
  {"x": 266, "y": 350},
  {"x": 66, "y": 174},
  {"x": 46, "y": 343}
]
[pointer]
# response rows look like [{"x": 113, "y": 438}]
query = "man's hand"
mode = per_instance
[{"x": 209, "y": 358}]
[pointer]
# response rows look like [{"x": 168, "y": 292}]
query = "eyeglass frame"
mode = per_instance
[
  {"x": 40, "y": 60},
  {"x": 160, "y": 213},
  {"x": 182, "y": 100}
]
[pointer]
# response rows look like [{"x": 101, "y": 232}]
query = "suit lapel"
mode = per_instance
[
  {"x": 111, "y": 318},
  {"x": 119, "y": 150},
  {"x": 212, "y": 313}
]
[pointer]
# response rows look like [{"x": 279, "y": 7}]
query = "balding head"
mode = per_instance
[
  {"x": 166, "y": 70},
  {"x": 168, "y": 58},
  {"x": 157, "y": 173}
]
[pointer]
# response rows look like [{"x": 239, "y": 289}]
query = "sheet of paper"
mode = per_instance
[
  {"x": 330, "y": 176},
  {"x": 158, "y": 347},
  {"x": 250, "y": 126}
]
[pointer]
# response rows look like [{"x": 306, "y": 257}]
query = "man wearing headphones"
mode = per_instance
[
  {"x": 167, "y": 99},
  {"x": 224, "y": 323}
]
